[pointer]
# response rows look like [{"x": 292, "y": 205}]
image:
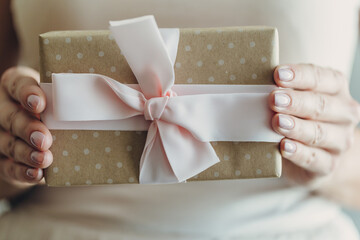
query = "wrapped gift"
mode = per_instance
[{"x": 142, "y": 104}]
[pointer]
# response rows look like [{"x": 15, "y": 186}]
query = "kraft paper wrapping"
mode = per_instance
[{"x": 230, "y": 55}]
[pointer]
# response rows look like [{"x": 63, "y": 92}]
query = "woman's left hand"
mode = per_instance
[{"x": 317, "y": 115}]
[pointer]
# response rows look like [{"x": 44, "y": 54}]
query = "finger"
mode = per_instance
[
  {"x": 315, "y": 160},
  {"x": 19, "y": 123},
  {"x": 12, "y": 171},
  {"x": 331, "y": 137},
  {"x": 296, "y": 174},
  {"x": 310, "y": 77},
  {"x": 315, "y": 106},
  {"x": 21, "y": 84},
  {"x": 21, "y": 152}
]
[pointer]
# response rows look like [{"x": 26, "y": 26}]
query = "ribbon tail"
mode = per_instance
[
  {"x": 154, "y": 165},
  {"x": 195, "y": 156}
]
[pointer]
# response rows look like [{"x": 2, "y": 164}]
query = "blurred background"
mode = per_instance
[{"x": 355, "y": 92}]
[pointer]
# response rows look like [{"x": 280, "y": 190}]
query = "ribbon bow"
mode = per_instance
[{"x": 181, "y": 120}]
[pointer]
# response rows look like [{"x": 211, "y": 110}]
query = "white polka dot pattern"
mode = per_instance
[
  {"x": 230, "y": 159},
  {"x": 218, "y": 56},
  {"x": 189, "y": 48}
]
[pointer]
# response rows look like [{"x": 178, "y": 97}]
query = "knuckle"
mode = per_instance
[
  {"x": 11, "y": 118},
  {"x": 10, "y": 170},
  {"x": 320, "y": 106},
  {"x": 311, "y": 159},
  {"x": 319, "y": 134},
  {"x": 11, "y": 146},
  {"x": 317, "y": 76},
  {"x": 13, "y": 86}
]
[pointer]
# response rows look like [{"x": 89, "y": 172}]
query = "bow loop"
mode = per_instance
[{"x": 154, "y": 107}]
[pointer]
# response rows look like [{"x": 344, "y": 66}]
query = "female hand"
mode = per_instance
[
  {"x": 317, "y": 116},
  {"x": 24, "y": 140}
]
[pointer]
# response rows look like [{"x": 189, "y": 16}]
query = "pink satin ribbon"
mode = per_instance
[{"x": 181, "y": 126}]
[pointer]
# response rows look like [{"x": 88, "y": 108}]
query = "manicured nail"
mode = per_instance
[
  {"x": 282, "y": 100},
  {"x": 285, "y": 73},
  {"x": 37, "y": 139},
  {"x": 31, "y": 173},
  {"x": 33, "y": 101},
  {"x": 285, "y": 122},
  {"x": 289, "y": 147},
  {"x": 36, "y": 158}
]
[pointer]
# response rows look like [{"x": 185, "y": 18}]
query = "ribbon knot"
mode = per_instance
[{"x": 154, "y": 107}]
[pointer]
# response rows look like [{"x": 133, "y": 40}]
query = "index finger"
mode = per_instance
[
  {"x": 21, "y": 84},
  {"x": 310, "y": 77}
]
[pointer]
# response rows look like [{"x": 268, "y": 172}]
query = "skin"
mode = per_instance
[
  {"x": 326, "y": 139},
  {"x": 322, "y": 110}
]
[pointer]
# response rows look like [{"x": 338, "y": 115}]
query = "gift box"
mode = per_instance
[{"x": 233, "y": 56}]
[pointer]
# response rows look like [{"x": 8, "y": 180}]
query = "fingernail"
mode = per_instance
[
  {"x": 282, "y": 100},
  {"x": 285, "y": 73},
  {"x": 37, "y": 139},
  {"x": 36, "y": 158},
  {"x": 31, "y": 173},
  {"x": 285, "y": 122},
  {"x": 289, "y": 147},
  {"x": 33, "y": 101}
]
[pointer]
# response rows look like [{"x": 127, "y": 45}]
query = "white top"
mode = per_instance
[{"x": 322, "y": 32}]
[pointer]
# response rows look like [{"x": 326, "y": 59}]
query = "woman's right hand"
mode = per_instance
[{"x": 24, "y": 139}]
